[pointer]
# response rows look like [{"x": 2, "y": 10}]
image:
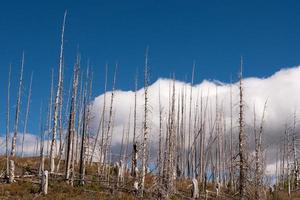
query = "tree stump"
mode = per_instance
[
  {"x": 195, "y": 189},
  {"x": 44, "y": 182},
  {"x": 11, "y": 171}
]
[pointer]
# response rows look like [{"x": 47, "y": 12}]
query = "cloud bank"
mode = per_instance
[{"x": 280, "y": 89}]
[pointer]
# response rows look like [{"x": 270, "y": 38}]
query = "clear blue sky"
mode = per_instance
[{"x": 214, "y": 33}]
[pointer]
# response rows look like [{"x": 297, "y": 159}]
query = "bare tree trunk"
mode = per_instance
[
  {"x": 287, "y": 134},
  {"x": 160, "y": 153},
  {"x": 17, "y": 116},
  {"x": 7, "y": 124},
  {"x": 44, "y": 183},
  {"x": 71, "y": 130},
  {"x": 190, "y": 125},
  {"x": 83, "y": 147},
  {"x": 108, "y": 134},
  {"x": 295, "y": 159},
  {"x": 26, "y": 117},
  {"x": 11, "y": 171},
  {"x": 231, "y": 141},
  {"x": 50, "y": 111},
  {"x": 79, "y": 121},
  {"x": 57, "y": 100},
  {"x": 258, "y": 157},
  {"x": 134, "y": 142},
  {"x": 171, "y": 146},
  {"x": 42, "y": 166},
  {"x": 146, "y": 128},
  {"x": 102, "y": 120},
  {"x": 242, "y": 142}
]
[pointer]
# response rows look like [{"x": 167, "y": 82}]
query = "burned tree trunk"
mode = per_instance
[
  {"x": 242, "y": 141},
  {"x": 258, "y": 158},
  {"x": 7, "y": 124},
  {"x": 57, "y": 100},
  {"x": 83, "y": 147},
  {"x": 17, "y": 116},
  {"x": 134, "y": 142},
  {"x": 145, "y": 128},
  {"x": 71, "y": 130}
]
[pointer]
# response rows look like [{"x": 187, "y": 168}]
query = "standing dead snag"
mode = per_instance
[
  {"x": 195, "y": 191},
  {"x": 189, "y": 158},
  {"x": 44, "y": 182},
  {"x": 42, "y": 162},
  {"x": 102, "y": 122},
  {"x": 109, "y": 131},
  {"x": 231, "y": 141},
  {"x": 57, "y": 100},
  {"x": 50, "y": 112},
  {"x": 7, "y": 123},
  {"x": 83, "y": 145},
  {"x": 134, "y": 142},
  {"x": 295, "y": 158},
  {"x": 287, "y": 135},
  {"x": 17, "y": 116},
  {"x": 242, "y": 141},
  {"x": 171, "y": 170},
  {"x": 258, "y": 157},
  {"x": 160, "y": 152},
  {"x": 27, "y": 113},
  {"x": 11, "y": 171},
  {"x": 70, "y": 168},
  {"x": 145, "y": 128}
]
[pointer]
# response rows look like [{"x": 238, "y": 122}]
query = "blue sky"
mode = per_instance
[{"x": 213, "y": 33}]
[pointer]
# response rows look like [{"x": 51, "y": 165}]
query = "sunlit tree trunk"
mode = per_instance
[
  {"x": 17, "y": 116},
  {"x": 57, "y": 100}
]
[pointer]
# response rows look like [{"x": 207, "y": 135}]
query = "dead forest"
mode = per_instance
[{"x": 196, "y": 155}]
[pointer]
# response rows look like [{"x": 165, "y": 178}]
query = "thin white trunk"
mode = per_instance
[
  {"x": 7, "y": 123},
  {"x": 17, "y": 116},
  {"x": 57, "y": 100},
  {"x": 145, "y": 128}
]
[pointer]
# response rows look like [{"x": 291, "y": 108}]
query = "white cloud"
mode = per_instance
[{"x": 280, "y": 89}]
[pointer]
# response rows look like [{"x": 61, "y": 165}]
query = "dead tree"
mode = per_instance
[
  {"x": 242, "y": 142},
  {"x": 57, "y": 100},
  {"x": 171, "y": 171},
  {"x": 258, "y": 157},
  {"x": 145, "y": 127},
  {"x": 69, "y": 175},
  {"x": 42, "y": 156},
  {"x": 295, "y": 159},
  {"x": 160, "y": 152},
  {"x": 287, "y": 135},
  {"x": 44, "y": 182},
  {"x": 231, "y": 141},
  {"x": 102, "y": 122},
  {"x": 83, "y": 146},
  {"x": 17, "y": 115},
  {"x": 190, "y": 125},
  {"x": 11, "y": 171},
  {"x": 7, "y": 123},
  {"x": 80, "y": 120},
  {"x": 195, "y": 191},
  {"x": 50, "y": 111},
  {"x": 27, "y": 114},
  {"x": 109, "y": 130},
  {"x": 134, "y": 142}
]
